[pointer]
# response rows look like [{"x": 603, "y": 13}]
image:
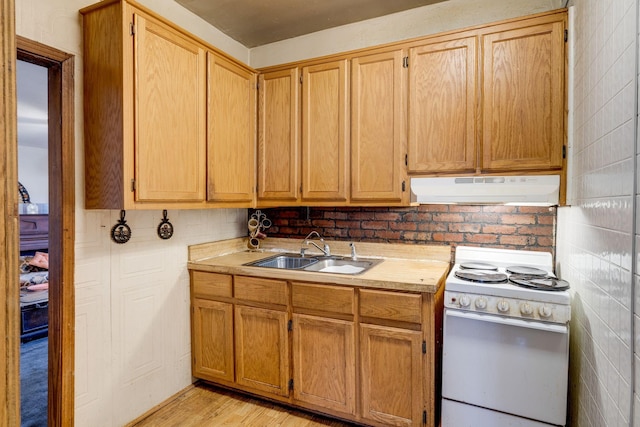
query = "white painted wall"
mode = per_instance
[
  {"x": 33, "y": 170},
  {"x": 595, "y": 235},
  {"x": 426, "y": 20},
  {"x": 132, "y": 301}
]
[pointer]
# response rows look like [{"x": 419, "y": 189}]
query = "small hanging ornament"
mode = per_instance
[
  {"x": 121, "y": 232},
  {"x": 165, "y": 228}
]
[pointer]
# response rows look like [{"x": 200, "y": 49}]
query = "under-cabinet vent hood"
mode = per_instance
[{"x": 514, "y": 190}]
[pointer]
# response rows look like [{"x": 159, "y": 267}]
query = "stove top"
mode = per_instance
[{"x": 507, "y": 282}]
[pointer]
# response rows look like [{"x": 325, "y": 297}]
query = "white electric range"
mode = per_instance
[{"x": 505, "y": 340}]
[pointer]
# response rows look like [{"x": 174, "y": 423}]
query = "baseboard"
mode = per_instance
[{"x": 160, "y": 405}]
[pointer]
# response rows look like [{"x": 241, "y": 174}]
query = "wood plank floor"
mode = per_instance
[{"x": 204, "y": 405}]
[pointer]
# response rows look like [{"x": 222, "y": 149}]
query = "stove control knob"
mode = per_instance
[
  {"x": 545, "y": 312},
  {"x": 503, "y": 306},
  {"x": 481, "y": 303},
  {"x": 465, "y": 301},
  {"x": 526, "y": 309}
]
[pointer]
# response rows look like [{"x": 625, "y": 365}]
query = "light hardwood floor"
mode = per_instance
[{"x": 204, "y": 405}]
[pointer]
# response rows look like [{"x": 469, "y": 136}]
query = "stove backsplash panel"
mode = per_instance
[{"x": 507, "y": 227}]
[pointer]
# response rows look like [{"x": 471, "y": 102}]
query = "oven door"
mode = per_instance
[{"x": 514, "y": 366}]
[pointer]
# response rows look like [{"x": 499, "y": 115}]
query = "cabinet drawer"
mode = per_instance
[
  {"x": 391, "y": 305},
  {"x": 335, "y": 299},
  {"x": 211, "y": 285},
  {"x": 261, "y": 290}
]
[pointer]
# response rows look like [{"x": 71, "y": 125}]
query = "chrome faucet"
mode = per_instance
[
  {"x": 325, "y": 249},
  {"x": 354, "y": 255}
]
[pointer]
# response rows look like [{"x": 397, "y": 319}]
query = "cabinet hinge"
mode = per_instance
[
  {"x": 257, "y": 85},
  {"x": 290, "y": 325},
  {"x": 566, "y": 35},
  {"x": 405, "y": 62},
  {"x": 424, "y": 347},
  {"x": 404, "y": 186},
  {"x": 564, "y": 151},
  {"x": 133, "y": 185},
  {"x": 424, "y": 417},
  {"x": 406, "y": 160},
  {"x": 291, "y": 384},
  {"x": 300, "y": 78},
  {"x": 132, "y": 29}
]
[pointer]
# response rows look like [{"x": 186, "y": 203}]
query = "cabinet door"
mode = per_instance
[
  {"x": 523, "y": 103},
  {"x": 377, "y": 127},
  {"x": 212, "y": 340},
  {"x": 325, "y": 139},
  {"x": 324, "y": 362},
  {"x": 442, "y": 106},
  {"x": 278, "y": 135},
  {"x": 231, "y": 106},
  {"x": 262, "y": 349},
  {"x": 169, "y": 125},
  {"x": 391, "y": 375}
]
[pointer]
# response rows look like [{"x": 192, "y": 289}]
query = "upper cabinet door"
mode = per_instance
[
  {"x": 443, "y": 106},
  {"x": 523, "y": 104},
  {"x": 231, "y": 132},
  {"x": 278, "y": 135},
  {"x": 169, "y": 120},
  {"x": 377, "y": 130},
  {"x": 325, "y": 131}
]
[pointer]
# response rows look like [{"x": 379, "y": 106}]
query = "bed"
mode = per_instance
[{"x": 34, "y": 276}]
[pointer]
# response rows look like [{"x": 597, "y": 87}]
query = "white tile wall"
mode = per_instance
[{"x": 595, "y": 234}]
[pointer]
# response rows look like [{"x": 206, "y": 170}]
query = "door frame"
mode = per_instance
[{"x": 60, "y": 67}]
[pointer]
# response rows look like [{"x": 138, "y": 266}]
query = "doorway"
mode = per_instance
[
  {"x": 61, "y": 177},
  {"x": 33, "y": 184}
]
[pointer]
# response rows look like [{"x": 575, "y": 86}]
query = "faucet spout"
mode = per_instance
[{"x": 325, "y": 249}]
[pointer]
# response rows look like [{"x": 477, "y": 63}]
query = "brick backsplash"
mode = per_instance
[{"x": 509, "y": 227}]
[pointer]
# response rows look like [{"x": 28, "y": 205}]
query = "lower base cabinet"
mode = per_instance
[
  {"x": 324, "y": 371},
  {"x": 353, "y": 353},
  {"x": 391, "y": 375},
  {"x": 262, "y": 349},
  {"x": 212, "y": 324}
]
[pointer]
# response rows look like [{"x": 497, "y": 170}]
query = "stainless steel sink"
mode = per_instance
[
  {"x": 342, "y": 265},
  {"x": 286, "y": 261},
  {"x": 332, "y": 264}
]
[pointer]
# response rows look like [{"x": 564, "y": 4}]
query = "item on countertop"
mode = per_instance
[{"x": 258, "y": 222}]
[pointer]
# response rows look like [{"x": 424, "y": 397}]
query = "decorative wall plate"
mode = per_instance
[
  {"x": 165, "y": 228},
  {"x": 121, "y": 232}
]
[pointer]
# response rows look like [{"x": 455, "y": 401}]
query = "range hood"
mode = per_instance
[{"x": 536, "y": 190}]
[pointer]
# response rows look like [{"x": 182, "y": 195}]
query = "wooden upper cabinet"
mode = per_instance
[
  {"x": 231, "y": 142},
  {"x": 377, "y": 130},
  {"x": 325, "y": 131},
  {"x": 169, "y": 100},
  {"x": 523, "y": 102},
  {"x": 278, "y": 135},
  {"x": 442, "y": 109},
  {"x": 152, "y": 103}
]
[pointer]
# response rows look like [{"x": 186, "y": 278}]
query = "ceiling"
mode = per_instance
[{"x": 259, "y": 22}]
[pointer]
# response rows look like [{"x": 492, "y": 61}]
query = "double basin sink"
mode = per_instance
[{"x": 321, "y": 264}]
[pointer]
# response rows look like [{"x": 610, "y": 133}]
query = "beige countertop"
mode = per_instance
[{"x": 416, "y": 268}]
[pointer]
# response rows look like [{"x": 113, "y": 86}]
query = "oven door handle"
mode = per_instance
[{"x": 522, "y": 323}]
